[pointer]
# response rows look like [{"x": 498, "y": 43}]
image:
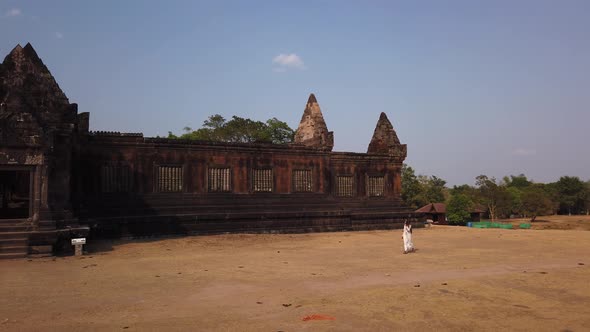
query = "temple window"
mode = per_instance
[
  {"x": 345, "y": 185},
  {"x": 219, "y": 180},
  {"x": 115, "y": 178},
  {"x": 375, "y": 186},
  {"x": 262, "y": 180},
  {"x": 170, "y": 178},
  {"x": 302, "y": 180}
]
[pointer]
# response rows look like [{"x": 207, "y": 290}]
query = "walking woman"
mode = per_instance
[{"x": 407, "y": 237}]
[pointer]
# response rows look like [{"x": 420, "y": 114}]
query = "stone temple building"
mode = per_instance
[{"x": 59, "y": 180}]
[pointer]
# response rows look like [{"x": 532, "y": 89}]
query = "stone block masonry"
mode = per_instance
[{"x": 110, "y": 184}]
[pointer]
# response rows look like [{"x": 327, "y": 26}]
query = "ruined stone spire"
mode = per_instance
[
  {"x": 32, "y": 105},
  {"x": 312, "y": 130},
  {"x": 385, "y": 139},
  {"x": 25, "y": 77}
]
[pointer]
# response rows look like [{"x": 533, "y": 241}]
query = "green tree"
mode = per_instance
[
  {"x": 572, "y": 194},
  {"x": 535, "y": 202},
  {"x": 458, "y": 209},
  {"x": 495, "y": 197},
  {"x": 467, "y": 190},
  {"x": 279, "y": 131},
  {"x": 419, "y": 190},
  {"x": 515, "y": 185},
  {"x": 435, "y": 189},
  {"x": 412, "y": 190},
  {"x": 551, "y": 190},
  {"x": 213, "y": 129},
  {"x": 515, "y": 200},
  {"x": 214, "y": 122},
  {"x": 239, "y": 130},
  {"x": 517, "y": 181}
]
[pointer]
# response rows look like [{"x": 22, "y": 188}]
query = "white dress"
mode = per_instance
[{"x": 407, "y": 236}]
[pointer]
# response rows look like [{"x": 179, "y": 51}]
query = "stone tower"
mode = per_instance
[
  {"x": 312, "y": 130},
  {"x": 385, "y": 140},
  {"x": 38, "y": 126},
  {"x": 33, "y": 108}
]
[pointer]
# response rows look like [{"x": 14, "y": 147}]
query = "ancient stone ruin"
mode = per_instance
[
  {"x": 312, "y": 130},
  {"x": 58, "y": 180}
]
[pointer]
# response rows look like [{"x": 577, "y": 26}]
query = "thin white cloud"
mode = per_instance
[
  {"x": 59, "y": 35},
  {"x": 524, "y": 152},
  {"x": 13, "y": 12},
  {"x": 283, "y": 62}
]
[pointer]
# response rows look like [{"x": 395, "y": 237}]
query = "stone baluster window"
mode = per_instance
[
  {"x": 115, "y": 178},
  {"x": 262, "y": 180},
  {"x": 219, "y": 180},
  {"x": 302, "y": 180},
  {"x": 375, "y": 186},
  {"x": 170, "y": 179},
  {"x": 345, "y": 185}
]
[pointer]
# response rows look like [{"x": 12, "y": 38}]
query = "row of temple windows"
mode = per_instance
[{"x": 118, "y": 178}]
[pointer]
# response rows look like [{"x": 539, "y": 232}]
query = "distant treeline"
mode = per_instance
[
  {"x": 513, "y": 195},
  {"x": 239, "y": 130}
]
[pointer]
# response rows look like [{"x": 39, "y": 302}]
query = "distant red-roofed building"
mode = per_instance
[{"x": 437, "y": 212}]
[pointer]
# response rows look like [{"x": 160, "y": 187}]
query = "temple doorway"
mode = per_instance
[{"x": 15, "y": 194}]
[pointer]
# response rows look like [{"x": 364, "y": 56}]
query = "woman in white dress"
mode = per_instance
[{"x": 407, "y": 237}]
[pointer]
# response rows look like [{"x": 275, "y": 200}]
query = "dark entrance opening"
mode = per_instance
[{"x": 15, "y": 194}]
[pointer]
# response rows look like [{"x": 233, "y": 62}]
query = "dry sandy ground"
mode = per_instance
[
  {"x": 460, "y": 279},
  {"x": 556, "y": 222}
]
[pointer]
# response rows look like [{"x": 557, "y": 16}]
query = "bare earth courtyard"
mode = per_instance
[{"x": 459, "y": 279}]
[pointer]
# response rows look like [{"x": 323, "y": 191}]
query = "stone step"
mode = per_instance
[
  {"x": 12, "y": 249},
  {"x": 14, "y": 221},
  {"x": 160, "y": 226},
  {"x": 13, "y": 241},
  {"x": 14, "y": 228},
  {"x": 41, "y": 251},
  {"x": 263, "y": 203},
  {"x": 238, "y": 198},
  {"x": 12, "y": 255},
  {"x": 235, "y": 204},
  {"x": 260, "y": 202},
  {"x": 250, "y": 218},
  {"x": 135, "y": 230},
  {"x": 236, "y": 208},
  {"x": 46, "y": 225},
  {"x": 14, "y": 235}
]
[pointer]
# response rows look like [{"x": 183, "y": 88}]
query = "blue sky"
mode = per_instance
[{"x": 473, "y": 87}]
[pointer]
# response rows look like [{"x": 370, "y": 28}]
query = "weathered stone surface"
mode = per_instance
[
  {"x": 312, "y": 130},
  {"x": 32, "y": 105},
  {"x": 28, "y": 82},
  {"x": 38, "y": 135},
  {"x": 45, "y": 250},
  {"x": 83, "y": 123},
  {"x": 72, "y": 168},
  {"x": 384, "y": 136}
]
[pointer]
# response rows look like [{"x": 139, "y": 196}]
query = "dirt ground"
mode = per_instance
[
  {"x": 555, "y": 222},
  {"x": 460, "y": 279}
]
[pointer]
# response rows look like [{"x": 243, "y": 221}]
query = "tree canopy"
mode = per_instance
[
  {"x": 239, "y": 130},
  {"x": 419, "y": 190},
  {"x": 494, "y": 196},
  {"x": 573, "y": 194},
  {"x": 514, "y": 195},
  {"x": 458, "y": 209},
  {"x": 535, "y": 202}
]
